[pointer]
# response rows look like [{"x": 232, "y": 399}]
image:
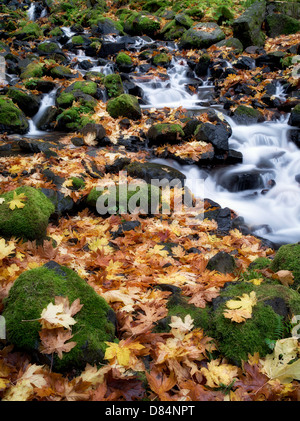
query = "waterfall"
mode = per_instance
[{"x": 47, "y": 101}]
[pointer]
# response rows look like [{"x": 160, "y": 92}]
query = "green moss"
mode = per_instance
[
  {"x": 123, "y": 200},
  {"x": 60, "y": 72},
  {"x": 29, "y": 222},
  {"x": 195, "y": 12},
  {"x": 29, "y": 31},
  {"x": 260, "y": 263},
  {"x": 161, "y": 59},
  {"x": 123, "y": 59},
  {"x": 47, "y": 47},
  {"x": 73, "y": 119},
  {"x": 288, "y": 258},
  {"x": 86, "y": 87},
  {"x": 114, "y": 86},
  {"x": 34, "y": 290},
  {"x": 237, "y": 340},
  {"x": 65, "y": 99},
  {"x": 124, "y": 106},
  {"x": 12, "y": 118},
  {"x": 34, "y": 69},
  {"x": 56, "y": 32},
  {"x": 78, "y": 39},
  {"x": 78, "y": 183},
  {"x": 139, "y": 24}
]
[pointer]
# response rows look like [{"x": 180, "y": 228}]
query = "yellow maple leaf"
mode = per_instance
[
  {"x": 241, "y": 309},
  {"x": 121, "y": 351},
  {"x": 6, "y": 250},
  {"x": 54, "y": 316},
  {"x": 279, "y": 365},
  {"x": 218, "y": 373},
  {"x": 16, "y": 202}
]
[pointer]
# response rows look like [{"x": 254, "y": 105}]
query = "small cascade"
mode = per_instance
[
  {"x": 47, "y": 101},
  {"x": 271, "y": 212},
  {"x": 173, "y": 91},
  {"x": 31, "y": 11}
]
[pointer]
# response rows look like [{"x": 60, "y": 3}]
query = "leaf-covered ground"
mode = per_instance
[{"x": 131, "y": 270}]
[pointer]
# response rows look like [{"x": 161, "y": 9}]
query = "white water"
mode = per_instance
[
  {"x": 262, "y": 145},
  {"x": 172, "y": 93},
  {"x": 31, "y": 11},
  {"x": 47, "y": 101}
]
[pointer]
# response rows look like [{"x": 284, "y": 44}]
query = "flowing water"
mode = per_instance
[{"x": 273, "y": 214}]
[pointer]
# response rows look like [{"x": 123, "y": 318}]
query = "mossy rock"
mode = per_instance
[
  {"x": 27, "y": 102},
  {"x": 56, "y": 32},
  {"x": 281, "y": 24},
  {"x": 195, "y": 12},
  {"x": 48, "y": 48},
  {"x": 275, "y": 304},
  {"x": 233, "y": 43},
  {"x": 162, "y": 60},
  {"x": 61, "y": 72},
  {"x": 140, "y": 24},
  {"x": 224, "y": 15},
  {"x": 29, "y": 222},
  {"x": 33, "y": 291},
  {"x": 162, "y": 133},
  {"x": 78, "y": 183},
  {"x": 114, "y": 86},
  {"x": 124, "y": 105},
  {"x": 33, "y": 69},
  {"x": 260, "y": 263},
  {"x": 172, "y": 31},
  {"x": 120, "y": 199},
  {"x": 184, "y": 20},
  {"x": 123, "y": 59},
  {"x": 202, "y": 35},
  {"x": 247, "y": 115},
  {"x": 12, "y": 119},
  {"x": 73, "y": 119},
  {"x": 29, "y": 31},
  {"x": 288, "y": 258},
  {"x": 78, "y": 40},
  {"x": 247, "y": 27},
  {"x": 87, "y": 87},
  {"x": 65, "y": 99}
]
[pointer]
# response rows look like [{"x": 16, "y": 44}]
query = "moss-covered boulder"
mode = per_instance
[
  {"x": 124, "y": 105},
  {"x": 27, "y": 102},
  {"x": 288, "y": 258},
  {"x": 49, "y": 47},
  {"x": 61, "y": 72},
  {"x": 113, "y": 85},
  {"x": 247, "y": 115},
  {"x": 141, "y": 197},
  {"x": 87, "y": 87},
  {"x": 74, "y": 119},
  {"x": 28, "y": 222},
  {"x": 202, "y": 35},
  {"x": 29, "y": 31},
  {"x": 247, "y": 27},
  {"x": 34, "y": 69},
  {"x": 172, "y": 31},
  {"x": 162, "y": 133},
  {"x": 233, "y": 43},
  {"x": 124, "y": 62},
  {"x": 12, "y": 119},
  {"x": 33, "y": 291},
  {"x": 281, "y": 24},
  {"x": 161, "y": 59},
  {"x": 141, "y": 24}
]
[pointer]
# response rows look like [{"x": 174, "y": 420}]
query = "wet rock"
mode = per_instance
[
  {"x": 198, "y": 37},
  {"x": 44, "y": 86},
  {"x": 281, "y": 24},
  {"x": 216, "y": 134},
  {"x": 222, "y": 262},
  {"x": 152, "y": 171},
  {"x": 272, "y": 60},
  {"x": 124, "y": 105},
  {"x": 247, "y": 27},
  {"x": 27, "y": 102},
  {"x": 235, "y": 182},
  {"x": 111, "y": 48},
  {"x": 93, "y": 132},
  {"x": 244, "y": 63},
  {"x": 12, "y": 119},
  {"x": 233, "y": 43},
  {"x": 162, "y": 133},
  {"x": 245, "y": 115},
  {"x": 294, "y": 119},
  {"x": 38, "y": 145}
]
